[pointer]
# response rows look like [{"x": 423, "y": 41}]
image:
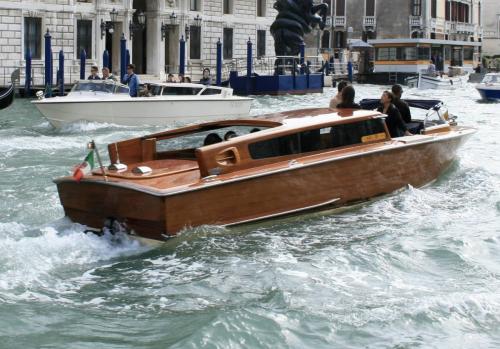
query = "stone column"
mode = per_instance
[{"x": 154, "y": 59}]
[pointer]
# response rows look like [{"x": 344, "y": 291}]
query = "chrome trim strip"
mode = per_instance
[{"x": 326, "y": 203}]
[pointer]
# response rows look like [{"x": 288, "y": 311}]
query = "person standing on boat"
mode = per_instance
[
  {"x": 206, "y": 79},
  {"x": 401, "y": 105},
  {"x": 132, "y": 80},
  {"x": 106, "y": 74},
  {"x": 394, "y": 121},
  {"x": 93, "y": 73}
]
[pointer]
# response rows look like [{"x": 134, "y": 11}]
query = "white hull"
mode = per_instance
[
  {"x": 142, "y": 110},
  {"x": 436, "y": 83}
]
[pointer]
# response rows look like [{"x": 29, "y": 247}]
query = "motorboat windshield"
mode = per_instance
[
  {"x": 103, "y": 86},
  {"x": 491, "y": 79}
]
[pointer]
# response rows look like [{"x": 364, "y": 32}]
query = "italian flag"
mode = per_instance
[{"x": 85, "y": 167}]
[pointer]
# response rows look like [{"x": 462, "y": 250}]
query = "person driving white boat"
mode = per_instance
[{"x": 132, "y": 80}]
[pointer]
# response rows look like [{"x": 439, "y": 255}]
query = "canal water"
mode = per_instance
[{"x": 420, "y": 268}]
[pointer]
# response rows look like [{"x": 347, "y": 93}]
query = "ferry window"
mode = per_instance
[
  {"x": 386, "y": 54},
  {"x": 211, "y": 91},
  {"x": 319, "y": 139},
  {"x": 468, "y": 54},
  {"x": 408, "y": 53},
  {"x": 424, "y": 53}
]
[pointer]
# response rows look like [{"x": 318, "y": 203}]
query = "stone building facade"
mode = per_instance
[
  {"x": 154, "y": 46},
  {"x": 491, "y": 26}
]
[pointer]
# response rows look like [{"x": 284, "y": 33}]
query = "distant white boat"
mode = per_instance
[
  {"x": 425, "y": 81},
  {"x": 489, "y": 88},
  {"x": 109, "y": 101}
]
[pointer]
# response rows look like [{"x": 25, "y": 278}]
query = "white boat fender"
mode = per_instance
[
  {"x": 40, "y": 95},
  {"x": 142, "y": 170},
  {"x": 117, "y": 167}
]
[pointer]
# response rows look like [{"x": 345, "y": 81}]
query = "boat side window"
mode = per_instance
[
  {"x": 155, "y": 90},
  {"x": 180, "y": 91},
  {"x": 320, "y": 139},
  {"x": 122, "y": 89},
  {"x": 211, "y": 91}
]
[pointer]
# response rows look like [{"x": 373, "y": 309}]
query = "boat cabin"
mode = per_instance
[{"x": 229, "y": 146}]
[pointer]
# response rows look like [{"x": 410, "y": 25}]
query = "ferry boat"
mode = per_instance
[
  {"x": 165, "y": 103},
  {"x": 276, "y": 165},
  {"x": 489, "y": 88}
]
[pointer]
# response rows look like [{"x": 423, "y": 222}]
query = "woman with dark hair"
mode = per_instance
[
  {"x": 348, "y": 94},
  {"x": 338, "y": 97},
  {"x": 394, "y": 121},
  {"x": 212, "y": 138}
]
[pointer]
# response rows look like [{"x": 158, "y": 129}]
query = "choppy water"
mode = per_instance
[{"x": 420, "y": 268}]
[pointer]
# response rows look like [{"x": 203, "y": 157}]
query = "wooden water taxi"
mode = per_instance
[{"x": 274, "y": 165}]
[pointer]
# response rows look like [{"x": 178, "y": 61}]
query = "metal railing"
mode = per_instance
[{"x": 71, "y": 74}]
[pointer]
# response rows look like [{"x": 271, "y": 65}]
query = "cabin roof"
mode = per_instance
[{"x": 287, "y": 119}]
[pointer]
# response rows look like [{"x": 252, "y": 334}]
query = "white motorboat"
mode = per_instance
[
  {"x": 165, "y": 103},
  {"x": 425, "y": 81},
  {"x": 489, "y": 88}
]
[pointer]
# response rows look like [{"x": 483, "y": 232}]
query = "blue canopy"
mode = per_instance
[{"x": 370, "y": 103}]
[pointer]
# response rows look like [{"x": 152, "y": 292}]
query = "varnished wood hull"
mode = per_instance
[{"x": 320, "y": 185}]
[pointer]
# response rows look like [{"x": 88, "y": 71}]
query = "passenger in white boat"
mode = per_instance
[
  {"x": 206, "y": 79},
  {"x": 94, "y": 70},
  {"x": 106, "y": 74},
  {"x": 394, "y": 121},
  {"x": 338, "y": 97},
  {"x": 348, "y": 94},
  {"x": 170, "y": 78}
]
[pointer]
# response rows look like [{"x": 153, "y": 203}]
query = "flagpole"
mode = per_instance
[{"x": 99, "y": 160}]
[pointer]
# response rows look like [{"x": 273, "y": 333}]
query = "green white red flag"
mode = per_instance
[{"x": 85, "y": 167}]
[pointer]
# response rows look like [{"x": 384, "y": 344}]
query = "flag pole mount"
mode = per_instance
[{"x": 91, "y": 145}]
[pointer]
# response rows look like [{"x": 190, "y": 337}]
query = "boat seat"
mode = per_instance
[{"x": 415, "y": 127}]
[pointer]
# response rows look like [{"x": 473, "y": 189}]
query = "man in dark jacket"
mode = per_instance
[{"x": 401, "y": 105}]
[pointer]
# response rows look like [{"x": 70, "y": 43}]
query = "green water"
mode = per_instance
[{"x": 418, "y": 269}]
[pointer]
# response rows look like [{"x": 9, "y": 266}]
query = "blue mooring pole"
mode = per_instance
[
  {"x": 249, "y": 58},
  {"x": 182, "y": 55},
  {"x": 302, "y": 57},
  {"x": 83, "y": 57},
  {"x": 27, "y": 74},
  {"x": 218, "y": 80},
  {"x": 61, "y": 73},
  {"x": 127, "y": 55},
  {"x": 123, "y": 56},
  {"x": 105, "y": 60},
  {"x": 48, "y": 62},
  {"x": 349, "y": 71}
]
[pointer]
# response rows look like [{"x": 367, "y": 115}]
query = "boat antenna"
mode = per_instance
[{"x": 117, "y": 154}]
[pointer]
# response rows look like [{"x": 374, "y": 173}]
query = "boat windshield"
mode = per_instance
[
  {"x": 491, "y": 79},
  {"x": 180, "y": 91},
  {"x": 204, "y": 137},
  {"x": 105, "y": 86}
]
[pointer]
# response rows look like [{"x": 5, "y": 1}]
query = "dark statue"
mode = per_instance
[{"x": 295, "y": 18}]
